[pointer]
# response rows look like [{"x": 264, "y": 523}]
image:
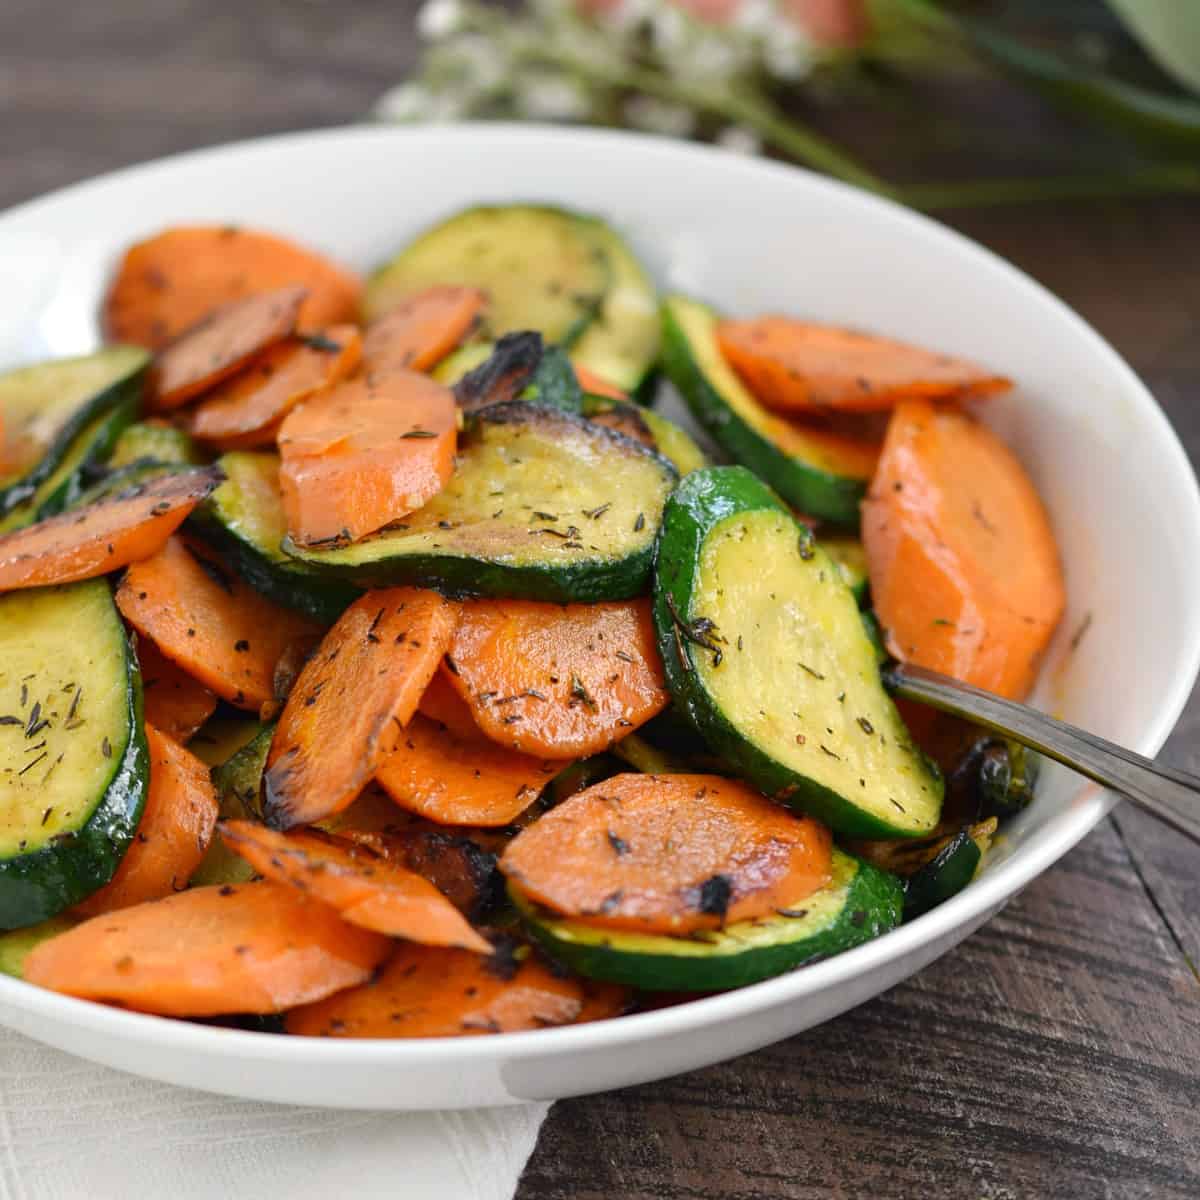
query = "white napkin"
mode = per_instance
[{"x": 70, "y": 1130}]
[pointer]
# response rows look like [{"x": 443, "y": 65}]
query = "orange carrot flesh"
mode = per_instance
[
  {"x": 350, "y": 705},
  {"x": 176, "y": 827},
  {"x": 798, "y": 367},
  {"x": 441, "y": 703},
  {"x": 246, "y": 948},
  {"x": 221, "y": 345},
  {"x": 103, "y": 536},
  {"x": 461, "y": 781},
  {"x": 246, "y": 410},
  {"x": 424, "y": 991},
  {"x": 668, "y": 854},
  {"x": 965, "y": 574},
  {"x": 557, "y": 681},
  {"x": 602, "y": 1001},
  {"x": 169, "y": 282},
  {"x": 211, "y": 624},
  {"x": 175, "y": 703},
  {"x": 591, "y": 382},
  {"x": 364, "y": 454},
  {"x": 422, "y": 329},
  {"x": 838, "y": 453},
  {"x": 361, "y": 884}
]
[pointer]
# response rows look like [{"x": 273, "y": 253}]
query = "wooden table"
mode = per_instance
[{"x": 1055, "y": 1052}]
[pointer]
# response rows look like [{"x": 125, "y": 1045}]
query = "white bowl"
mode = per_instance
[{"x": 751, "y": 236}]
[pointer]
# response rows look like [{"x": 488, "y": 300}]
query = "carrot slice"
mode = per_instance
[
  {"x": 246, "y": 411},
  {"x": 174, "y": 702},
  {"x": 103, "y": 536},
  {"x": 558, "y": 681},
  {"x": 425, "y": 991},
  {"x": 221, "y": 345},
  {"x": 461, "y": 781},
  {"x": 441, "y": 703},
  {"x": 591, "y": 382},
  {"x": 421, "y": 330},
  {"x": 797, "y": 366},
  {"x": 669, "y": 854},
  {"x": 364, "y": 454},
  {"x": 965, "y": 574},
  {"x": 205, "y": 619},
  {"x": 246, "y": 948},
  {"x": 604, "y": 1000},
  {"x": 352, "y": 701},
  {"x": 364, "y": 886},
  {"x": 169, "y": 282},
  {"x": 173, "y": 835}
]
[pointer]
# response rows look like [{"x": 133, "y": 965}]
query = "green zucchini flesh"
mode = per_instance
[
  {"x": 851, "y": 560},
  {"x": 143, "y": 442},
  {"x": 541, "y": 267},
  {"x": 73, "y": 760},
  {"x": 16, "y": 945},
  {"x": 621, "y": 344},
  {"x": 462, "y": 362},
  {"x": 243, "y": 520},
  {"x": 45, "y": 407},
  {"x": 804, "y": 469},
  {"x": 674, "y": 443},
  {"x": 765, "y": 650},
  {"x": 859, "y": 903},
  {"x": 543, "y": 505}
]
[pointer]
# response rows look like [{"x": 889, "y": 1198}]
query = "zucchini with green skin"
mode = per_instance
[
  {"x": 17, "y": 943},
  {"x": 804, "y": 468},
  {"x": 145, "y": 442},
  {"x": 765, "y": 651},
  {"x": 859, "y": 903},
  {"x": 541, "y": 267},
  {"x": 945, "y": 875},
  {"x": 243, "y": 520},
  {"x": 44, "y": 407},
  {"x": 73, "y": 762},
  {"x": 63, "y": 487},
  {"x": 851, "y": 560},
  {"x": 461, "y": 362},
  {"x": 621, "y": 344},
  {"x": 121, "y": 479},
  {"x": 544, "y": 505},
  {"x": 674, "y": 443}
]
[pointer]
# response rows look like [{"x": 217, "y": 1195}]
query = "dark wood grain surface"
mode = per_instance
[{"x": 1057, "y": 1052}]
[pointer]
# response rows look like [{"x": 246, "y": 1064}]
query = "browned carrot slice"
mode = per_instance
[
  {"x": 364, "y": 454},
  {"x": 602, "y": 1001},
  {"x": 352, "y": 701},
  {"x": 558, "y": 681},
  {"x": 169, "y": 282},
  {"x": 250, "y": 948},
  {"x": 362, "y": 884},
  {"x": 104, "y": 536},
  {"x": 221, "y": 345},
  {"x": 441, "y": 703},
  {"x": 246, "y": 411},
  {"x": 797, "y": 366},
  {"x": 424, "y": 991},
  {"x": 964, "y": 568},
  {"x": 176, "y": 827},
  {"x": 668, "y": 854},
  {"x": 421, "y": 330},
  {"x": 175, "y": 703},
  {"x": 211, "y": 624},
  {"x": 591, "y": 382},
  {"x": 461, "y": 781}
]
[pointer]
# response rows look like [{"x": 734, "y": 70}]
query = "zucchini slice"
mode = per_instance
[
  {"x": 543, "y": 505},
  {"x": 818, "y": 473},
  {"x": 16, "y": 945},
  {"x": 73, "y": 760},
  {"x": 462, "y": 362},
  {"x": 44, "y": 407},
  {"x": 851, "y": 560},
  {"x": 541, "y": 267},
  {"x": 943, "y": 876},
  {"x": 63, "y": 487},
  {"x": 674, "y": 443},
  {"x": 859, "y": 903},
  {"x": 621, "y": 344},
  {"x": 243, "y": 521},
  {"x": 765, "y": 650},
  {"x": 144, "y": 442}
]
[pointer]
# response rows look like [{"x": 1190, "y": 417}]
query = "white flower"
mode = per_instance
[
  {"x": 407, "y": 102},
  {"x": 478, "y": 60},
  {"x": 437, "y": 19},
  {"x": 739, "y": 139},
  {"x": 788, "y": 55},
  {"x": 548, "y": 97},
  {"x": 758, "y": 18},
  {"x": 713, "y": 57},
  {"x": 657, "y": 116},
  {"x": 670, "y": 30}
]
